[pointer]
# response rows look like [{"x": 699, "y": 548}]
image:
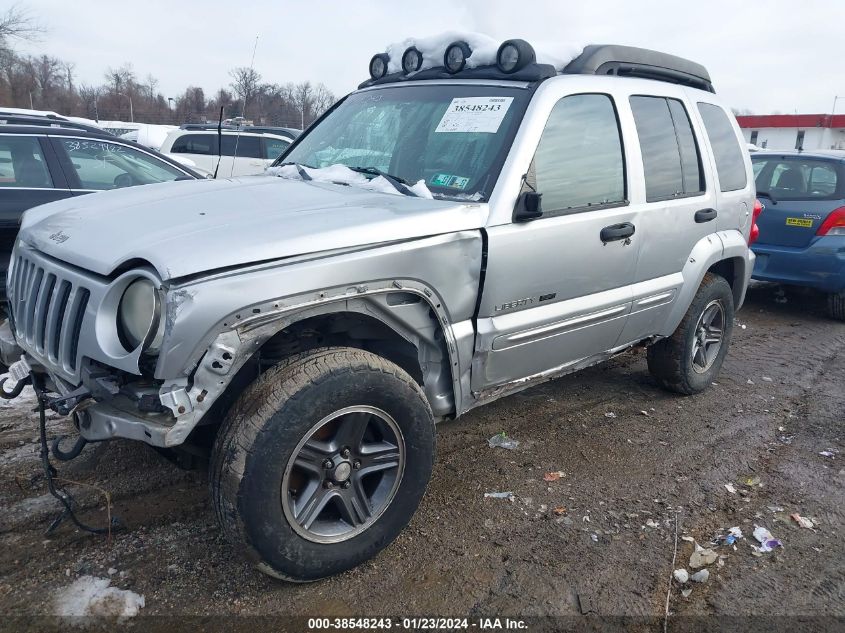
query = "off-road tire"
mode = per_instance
[
  {"x": 263, "y": 428},
  {"x": 836, "y": 306},
  {"x": 670, "y": 360}
]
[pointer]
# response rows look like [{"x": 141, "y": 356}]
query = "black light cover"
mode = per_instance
[
  {"x": 514, "y": 55},
  {"x": 378, "y": 65},
  {"x": 412, "y": 60},
  {"x": 455, "y": 57}
]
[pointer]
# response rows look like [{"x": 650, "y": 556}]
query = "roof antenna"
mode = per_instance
[
  {"x": 219, "y": 142},
  {"x": 243, "y": 110}
]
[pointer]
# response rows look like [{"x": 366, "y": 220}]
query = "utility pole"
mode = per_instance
[{"x": 131, "y": 111}]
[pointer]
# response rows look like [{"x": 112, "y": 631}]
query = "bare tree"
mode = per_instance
[
  {"x": 323, "y": 100},
  {"x": 245, "y": 83},
  {"x": 17, "y": 22}
]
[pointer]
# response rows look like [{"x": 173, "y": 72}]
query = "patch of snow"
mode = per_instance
[
  {"x": 483, "y": 47},
  {"x": 343, "y": 175},
  {"x": 90, "y": 596}
]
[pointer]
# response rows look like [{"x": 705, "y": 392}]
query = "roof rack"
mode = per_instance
[
  {"x": 629, "y": 61},
  {"x": 48, "y": 121}
]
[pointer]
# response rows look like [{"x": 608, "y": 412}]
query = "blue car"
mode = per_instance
[{"x": 802, "y": 226}]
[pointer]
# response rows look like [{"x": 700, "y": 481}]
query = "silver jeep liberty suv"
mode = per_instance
[{"x": 446, "y": 235}]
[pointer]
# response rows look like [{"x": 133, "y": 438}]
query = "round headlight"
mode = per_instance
[
  {"x": 378, "y": 65},
  {"x": 139, "y": 316},
  {"x": 514, "y": 55},
  {"x": 456, "y": 55},
  {"x": 412, "y": 60}
]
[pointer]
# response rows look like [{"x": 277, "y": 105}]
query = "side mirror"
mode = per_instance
[{"x": 528, "y": 206}]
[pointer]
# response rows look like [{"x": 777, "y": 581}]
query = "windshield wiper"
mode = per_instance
[
  {"x": 766, "y": 194},
  {"x": 400, "y": 184},
  {"x": 302, "y": 173}
]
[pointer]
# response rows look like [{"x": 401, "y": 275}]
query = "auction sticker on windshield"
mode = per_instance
[{"x": 474, "y": 114}]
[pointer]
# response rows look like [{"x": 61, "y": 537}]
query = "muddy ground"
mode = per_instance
[{"x": 598, "y": 541}]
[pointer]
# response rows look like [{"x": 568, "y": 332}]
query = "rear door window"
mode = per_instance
[
  {"x": 195, "y": 144},
  {"x": 22, "y": 163},
  {"x": 671, "y": 159},
  {"x": 796, "y": 178},
  {"x": 242, "y": 146},
  {"x": 730, "y": 160}
]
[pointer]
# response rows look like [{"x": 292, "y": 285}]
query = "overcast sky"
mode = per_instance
[{"x": 774, "y": 55}]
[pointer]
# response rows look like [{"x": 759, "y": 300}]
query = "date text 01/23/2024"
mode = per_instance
[{"x": 415, "y": 624}]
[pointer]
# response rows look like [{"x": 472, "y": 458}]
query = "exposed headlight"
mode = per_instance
[
  {"x": 514, "y": 55},
  {"x": 139, "y": 316},
  {"x": 378, "y": 65},
  {"x": 412, "y": 60},
  {"x": 456, "y": 55}
]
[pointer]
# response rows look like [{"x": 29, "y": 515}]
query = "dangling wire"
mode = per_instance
[{"x": 50, "y": 473}]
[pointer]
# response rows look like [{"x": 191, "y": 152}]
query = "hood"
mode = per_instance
[{"x": 189, "y": 227}]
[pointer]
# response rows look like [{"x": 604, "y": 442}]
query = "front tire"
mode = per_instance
[
  {"x": 322, "y": 462},
  {"x": 689, "y": 360},
  {"x": 836, "y": 305}
]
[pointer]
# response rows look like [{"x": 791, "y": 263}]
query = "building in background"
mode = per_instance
[{"x": 794, "y": 131}]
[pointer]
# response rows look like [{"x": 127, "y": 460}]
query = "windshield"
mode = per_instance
[
  {"x": 453, "y": 137},
  {"x": 796, "y": 178}
]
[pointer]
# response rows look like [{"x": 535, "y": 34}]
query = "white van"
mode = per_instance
[{"x": 244, "y": 153}]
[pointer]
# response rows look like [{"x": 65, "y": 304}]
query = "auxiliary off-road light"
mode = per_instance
[
  {"x": 514, "y": 55},
  {"x": 455, "y": 57},
  {"x": 412, "y": 60},
  {"x": 378, "y": 65}
]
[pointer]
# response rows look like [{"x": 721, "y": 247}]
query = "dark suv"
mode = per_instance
[{"x": 43, "y": 159}]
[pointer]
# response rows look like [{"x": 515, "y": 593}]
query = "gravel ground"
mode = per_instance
[{"x": 639, "y": 463}]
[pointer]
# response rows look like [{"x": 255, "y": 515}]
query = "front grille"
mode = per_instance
[{"x": 47, "y": 311}]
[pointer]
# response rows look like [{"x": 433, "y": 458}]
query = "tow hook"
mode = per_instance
[{"x": 16, "y": 390}]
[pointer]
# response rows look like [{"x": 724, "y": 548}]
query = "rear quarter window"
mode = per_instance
[
  {"x": 730, "y": 161},
  {"x": 195, "y": 144}
]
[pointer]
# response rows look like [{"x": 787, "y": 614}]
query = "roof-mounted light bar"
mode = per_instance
[
  {"x": 455, "y": 57},
  {"x": 514, "y": 55},
  {"x": 378, "y": 65}
]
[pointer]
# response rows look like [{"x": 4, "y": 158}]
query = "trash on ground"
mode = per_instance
[
  {"x": 90, "y": 596},
  {"x": 644, "y": 412},
  {"x": 499, "y": 495},
  {"x": 804, "y": 522},
  {"x": 559, "y": 510},
  {"x": 689, "y": 539},
  {"x": 766, "y": 379},
  {"x": 749, "y": 382},
  {"x": 766, "y": 540},
  {"x": 751, "y": 481},
  {"x": 610, "y": 414},
  {"x": 786, "y": 439},
  {"x": 595, "y": 537},
  {"x": 652, "y": 523},
  {"x": 686, "y": 592},
  {"x": 500, "y": 440},
  {"x": 828, "y": 453},
  {"x": 702, "y": 558},
  {"x": 554, "y": 476},
  {"x": 700, "y": 576},
  {"x": 775, "y": 508},
  {"x": 681, "y": 575},
  {"x": 730, "y": 488}
]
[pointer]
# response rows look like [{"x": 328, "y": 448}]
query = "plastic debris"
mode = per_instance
[
  {"x": 500, "y": 440},
  {"x": 828, "y": 453},
  {"x": 730, "y": 488},
  {"x": 610, "y": 414},
  {"x": 702, "y": 558},
  {"x": 554, "y": 476},
  {"x": 595, "y": 537},
  {"x": 499, "y": 495},
  {"x": 686, "y": 592},
  {"x": 751, "y": 481},
  {"x": 766, "y": 540},
  {"x": 559, "y": 510},
  {"x": 766, "y": 379},
  {"x": 644, "y": 412},
  {"x": 689, "y": 539},
  {"x": 652, "y": 523},
  {"x": 681, "y": 575},
  {"x": 775, "y": 508},
  {"x": 749, "y": 382},
  {"x": 804, "y": 522},
  {"x": 700, "y": 576}
]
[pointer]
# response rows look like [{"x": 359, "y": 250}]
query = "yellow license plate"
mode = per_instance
[{"x": 798, "y": 222}]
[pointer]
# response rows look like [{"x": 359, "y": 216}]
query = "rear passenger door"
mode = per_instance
[
  {"x": 557, "y": 289},
  {"x": 677, "y": 208},
  {"x": 730, "y": 164}
]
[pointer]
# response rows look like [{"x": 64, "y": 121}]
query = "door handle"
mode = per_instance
[
  {"x": 616, "y": 232},
  {"x": 705, "y": 215}
]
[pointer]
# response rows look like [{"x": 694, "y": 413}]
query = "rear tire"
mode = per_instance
[
  {"x": 836, "y": 305},
  {"x": 276, "y": 497},
  {"x": 689, "y": 360}
]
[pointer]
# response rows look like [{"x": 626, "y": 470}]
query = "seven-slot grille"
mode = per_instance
[{"x": 47, "y": 311}]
